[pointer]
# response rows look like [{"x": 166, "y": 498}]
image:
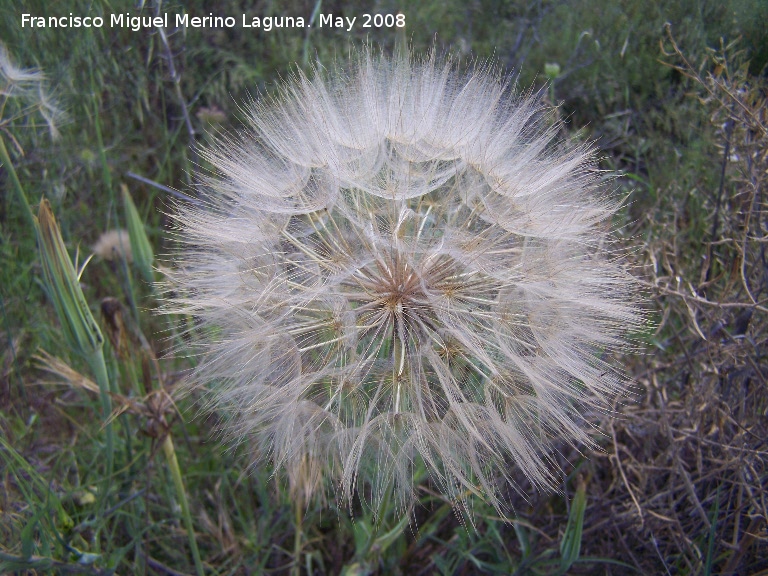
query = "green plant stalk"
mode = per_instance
[
  {"x": 305, "y": 50},
  {"x": 12, "y": 348},
  {"x": 143, "y": 256},
  {"x": 299, "y": 518},
  {"x": 6, "y": 159},
  {"x": 102, "y": 152},
  {"x": 133, "y": 377},
  {"x": 570, "y": 545},
  {"x": 178, "y": 481},
  {"x": 99, "y": 369},
  {"x": 80, "y": 330},
  {"x": 126, "y": 284}
]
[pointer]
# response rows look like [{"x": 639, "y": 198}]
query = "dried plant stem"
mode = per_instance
[
  {"x": 623, "y": 475},
  {"x": 717, "y": 90},
  {"x": 164, "y": 188},
  {"x": 178, "y": 482},
  {"x": 176, "y": 79},
  {"x": 694, "y": 298}
]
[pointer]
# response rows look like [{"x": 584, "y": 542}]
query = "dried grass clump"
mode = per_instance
[
  {"x": 400, "y": 269},
  {"x": 689, "y": 489}
]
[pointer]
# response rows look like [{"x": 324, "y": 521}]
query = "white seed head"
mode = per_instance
[
  {"x": 28, "y": 85},
  {"x": 113, "y": 245},
  {"x": 11, "y": 76},
  {"x": 400, "y": 269}
]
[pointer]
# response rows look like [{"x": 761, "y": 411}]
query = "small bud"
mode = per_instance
[
  {"x": 551, "y": 70},
  {"x": 114, "y": 244},
  {"x": 112, "y": 314},
  {"x": 211, "y": 116}
]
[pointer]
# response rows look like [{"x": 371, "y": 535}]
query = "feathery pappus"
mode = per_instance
[{"x": 399, "y": 267}]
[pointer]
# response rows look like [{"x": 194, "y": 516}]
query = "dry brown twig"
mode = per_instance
[{"x": 694, "y": 453}]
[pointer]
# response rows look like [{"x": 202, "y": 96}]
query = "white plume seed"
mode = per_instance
[{"x": 399, "y": 266}]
